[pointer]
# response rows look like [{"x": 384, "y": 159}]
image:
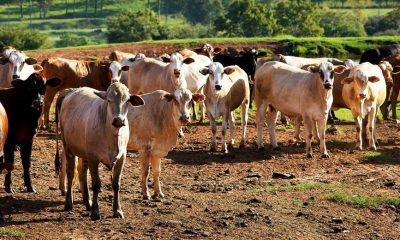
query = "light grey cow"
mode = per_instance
[{"x": 94, "y": 127}]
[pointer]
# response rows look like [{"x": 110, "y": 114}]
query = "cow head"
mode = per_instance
[
  {"x": 33, "y": 89},
  {"x": 326, "y": 72},
  {"x": 176, "y": 63},
  {"x": 115, "y": 71},
  {"x": 207, "y": 50},
  {"x": 216, "y": 73},
  {"x": 360, "y": 82},
  {"x": 182, "y": 98},
  {"x": 118, "y": 100},
  {"x": 387, "y": 70},
  {"x": 17, "y": 61}
]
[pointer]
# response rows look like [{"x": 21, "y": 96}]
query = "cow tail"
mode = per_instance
[{"x": 57, "y": 162}]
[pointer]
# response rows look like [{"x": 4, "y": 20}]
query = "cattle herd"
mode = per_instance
[{"x": 132, "y": 102}]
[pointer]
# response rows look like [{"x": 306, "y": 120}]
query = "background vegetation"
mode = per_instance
[{"x": 82, "y": 22}]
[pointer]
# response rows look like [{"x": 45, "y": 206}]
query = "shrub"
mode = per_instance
[
  {"x": 338, "y": 24},
  {"x": 21, "y": 38},
  {"x": 70, "y": 40}
]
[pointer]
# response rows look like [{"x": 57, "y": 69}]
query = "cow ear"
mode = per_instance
[
  {"x": 169, "y": 97},
  {"x": 313, "y": 68},
  {"x": 125, "y": 68},
  {"x": 37, "y": 68},
  {"x": 54, "y": 82},
  {"x": 229, "y": 70},
  {"x": 188, "y": 60},
  {"x": 373, "y": 79},
  {"x": 204, "y": 71},
  {"x": 347, "y": 80},
  {"x": 17, "y": 83},
  {"x": 217, "y": 49},
  {"x": 339, "y": 69},
  {"x": 4, "y": 60},
  {"x": 197, "y": 97},
  {"x": 101, "y": 94},
  {"x": 197, "y": 50},
  {"x": 261, "y": 54},
  {"x": 396, "y": 70},
  {"x": 30, "y": 61},
  {"x": 136, "y": 100}
]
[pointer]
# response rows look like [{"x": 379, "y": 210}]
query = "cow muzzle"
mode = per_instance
[
  {"x": 114, "y": 80},
  {"x": 362, "y": 95},
  {"x": 118, "y": 122},
  {"x": 218, "y": 87},
  {"x": 177, "y": 73},
  {"x": 15, "y": 76},
  {"x": 327, "y": 86},
  {"x": 389, "y": 81}
]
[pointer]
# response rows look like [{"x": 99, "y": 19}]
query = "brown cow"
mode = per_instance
[
  {"x": 73, "y": 73},
  {"x": 392, "y": 91}
]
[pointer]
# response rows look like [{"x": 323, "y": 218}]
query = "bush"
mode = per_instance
[
  {"x": 21, "y": 38},
  {"x": 70, "y": 40},
  {"x": 338, "y": 24}
]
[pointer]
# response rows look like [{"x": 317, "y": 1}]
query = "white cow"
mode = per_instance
[{"x": 93, "y": 127}]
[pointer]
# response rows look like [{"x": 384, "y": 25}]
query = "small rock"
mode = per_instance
[
  {"x": 205, "y": 234},
  {"x": 363, "y": 223},
  {"x": 242, "y": 224},
  {"x": 255, "y": 200},
  {"x": 376, "y": 234},
  {"x": 337, "y": 220},
  {"x": 204, "y": 189},
  {"x": 390, "y": 183},
  {"x": 190, "y": 231},
  {"x": 227, "y": 171},
  {"x": 339, "y": 229},
  {"x": 254, "y": 175},
  {"x": 282, "y": 175}
]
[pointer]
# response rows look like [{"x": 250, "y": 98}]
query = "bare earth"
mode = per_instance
[{"x": 211, "y": 195}]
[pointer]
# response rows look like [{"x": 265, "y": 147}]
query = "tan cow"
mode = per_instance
[
  {"x": 226, "y": 89},
  {"x": 124, "y": 59},
  {"x": 296, "y": 93},
  {"x": 156, "y": 125},
  {"x": 94, "y": 127},
  {"x": 3, "y": 137},
  {"x": 207, "y": 50},
  {"x": 73, "y": 73},
  {"x": 15, "y": 65},
  {"x": 147, "y": 75},
  {"x": 364, "y": 91}
]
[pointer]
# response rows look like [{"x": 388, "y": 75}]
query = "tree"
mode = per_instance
[
  {"x": 299, "y": 18},
  {"x": 247, "y": 18},
  {"x": 201, "y": 11},
  {"x": 132, "y": 26},
  {"x": 21, "y": 38},
  {"x": 339, "y": 24}
]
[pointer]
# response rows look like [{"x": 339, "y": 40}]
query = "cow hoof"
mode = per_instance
[
  {"x": 372, "y": 148},
  {"x": 325, "y": 156},
  {"x": 241, "y": 145},
  {"x": 88, "y": 206},
  {"x": 157, "y": 196},
  {"x": 260, "y": 149},
  {"x": 118, "y": 214},
  {"x": 63, "y": 192},
  {"x": 146, "y": 197},
  {"x": 31, "y": 189},
  {"x": 10, "y": 189},
  {"x": 309, "y": 156},
  {"x": 225, "y": 151},
  {"x": 230, "y": 146},
  {"x": 213, "y": 149},
  {"x": 95, "y": 216}
]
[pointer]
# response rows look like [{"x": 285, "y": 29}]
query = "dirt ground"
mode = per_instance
[{"x": 217, "y": 196}]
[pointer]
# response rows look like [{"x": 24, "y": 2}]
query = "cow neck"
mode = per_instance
[{"x": 323, "y": 94}]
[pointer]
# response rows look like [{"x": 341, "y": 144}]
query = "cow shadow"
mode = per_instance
[{"x": 382, "y": 157}]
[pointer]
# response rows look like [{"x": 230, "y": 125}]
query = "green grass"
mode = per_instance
[
  {"x": 12, "y": 232},
  {"x": 363, "y": 201},
  {"x": 380, "y": 157},
  {"x": 300, "y": 187},
  {"x": 371, "y": 12}
]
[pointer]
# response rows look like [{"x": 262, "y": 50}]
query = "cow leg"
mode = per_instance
[
  {"x": 271, "y": 121},
  {"x": 231, "y": 119},
  {"x": 156, "y": 170},
  {"x": 244, "y": 120},
  {"x": 393, "y": 100},
  {"x": 48, "y": 99},
  {"x": 283, "y": 119},
  {"x": 371, "y": 128},
  {"x": 83, "y": 170},
  {"x": 116, "y": 184},
  {"x": 145, "y": 165},
  {"x": 384, "y": 107},
  {"x": 193, "y": 110},
  {"x": 225, "y": 120},
  {"x": 308, "y": 129},
  {"x": 26, "y": 151},
  {"x": 321, "y": 124},
  {"x": 315, "y": 131},
  {"x": 260, "y": 118},
  {"x": 214, "y": 132},
  {"x": 96, "y": 185},
  {"x": 9, "y": 158},
  {"x": 69, "y": 198},
  {"x": 202, "y": 111},
  {"x": 358, "y": 122},
  {"x": 63, "y": 172},
  {"x": 297, "y": 130}
]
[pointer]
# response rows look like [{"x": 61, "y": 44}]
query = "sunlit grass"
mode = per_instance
[
  {"x": 12, "y": 232},
  {"x": 363, "y": 201},
  {"x": 300, "y": 187}
]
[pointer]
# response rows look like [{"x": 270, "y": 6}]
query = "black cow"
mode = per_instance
[
  {"x": 376, "y": 55},
  {"x": 23, "y": 104},
  {"x": 246, "y": 61}
]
